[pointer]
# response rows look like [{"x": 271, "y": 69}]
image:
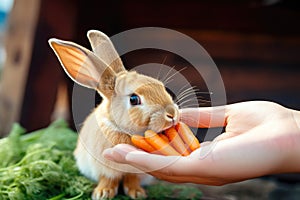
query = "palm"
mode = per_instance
[
  {"x": 243, "y": 117},
  {"x": 251, "y": 145}
]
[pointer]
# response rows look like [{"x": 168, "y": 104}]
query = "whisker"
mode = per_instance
[
  {"x": 203, "y": 100},
  {"x": 195, "y": 105},
  {"x": 158, "y": 74},
  {"x": 190, "y": 89},
  {"x": 177, "y": 72},
  {"x": 163, "y": 62},
  {"x": 203, "y": 104},
  {"x": 169, "y": 81},
  {"x": 187, "y": 101},
  {"x": 179, "y": 101},
  {"x": 188, "y": 93},
  {"x": 199, "y": 102},
  {"x": 183, "y": 88},
  {"x": 187, "y": 89},
  {"x": 184, "y": 100},
  {"x": 188, "y": 96},
  {"x": 199, "y": 99},
  {"x": 166, "y": 76}
]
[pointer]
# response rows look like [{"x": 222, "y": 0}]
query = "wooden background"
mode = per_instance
[{"x": 255, "y": 45}]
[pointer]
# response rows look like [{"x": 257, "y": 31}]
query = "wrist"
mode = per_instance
[
  {"x": 294, "y": 157},
  {"x": 296, "y": 116}
]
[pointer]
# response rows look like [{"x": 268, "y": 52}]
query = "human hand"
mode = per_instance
[{"x": 260, "y": 138}]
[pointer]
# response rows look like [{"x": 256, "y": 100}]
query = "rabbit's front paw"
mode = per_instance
[
  {"x": 106, "y": 189},
  {"x": 103, "y": 193},
  {"x": 132, "y": 187},
  {"x": 135, "y": 192}
]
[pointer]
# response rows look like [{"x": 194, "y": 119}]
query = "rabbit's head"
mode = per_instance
[{"x": 134, "y": 102}]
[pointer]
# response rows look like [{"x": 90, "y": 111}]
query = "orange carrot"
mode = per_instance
[
  {"x": 187, "y": 136},
  {"x": 164, "y": 137},
  {"x": 176, "y": 141},
  {"x": 160, "y": 144},
  {"x": 140, "y": 142}
]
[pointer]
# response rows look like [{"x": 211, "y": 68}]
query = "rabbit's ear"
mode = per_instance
[
  {"x": 105, "y": 50},
  {"x": 83, "y": 66}
]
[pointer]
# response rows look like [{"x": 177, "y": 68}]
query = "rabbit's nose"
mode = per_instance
[{"x": 170, "y": 113}]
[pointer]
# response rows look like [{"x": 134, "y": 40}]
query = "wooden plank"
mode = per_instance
[
  {"x": 56, "y": 19},
  {"x": 245, "y": 16},
  {"x": 18, "y": 45},
  {"x": 236, "y": 46}
]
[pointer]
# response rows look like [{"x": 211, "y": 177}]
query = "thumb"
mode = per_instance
[
  {"x": 118, "y": 153},
  {"x": 127, "y": 154},
  {"x": 150, "y": 162}
]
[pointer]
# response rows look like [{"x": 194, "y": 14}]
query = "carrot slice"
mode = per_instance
[
  {"x": 176, "y": 141},
  {"x": 164, "y": 137},
  {"x": 187, "y": 136},
  {"x": 140, "y": 142},
  {"x": 160, "y": 144}
]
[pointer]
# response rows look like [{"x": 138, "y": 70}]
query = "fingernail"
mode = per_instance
[
  {"x": 115, "y": 154},
  {"x": 121, "y": 152},
  {"x": 108, "y": 154}
]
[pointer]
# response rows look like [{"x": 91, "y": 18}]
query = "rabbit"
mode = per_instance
[{"x": 132, "y": 103}]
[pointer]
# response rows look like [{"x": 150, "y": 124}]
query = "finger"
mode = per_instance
[
  {"x": 205, "y": 117},
  {"x": 170, "y": 165},
  {"x": 151, "y": 162},
  {"x": 118, "y": 152},
  {"x": 127, "y": 154},
  {"x": 226, "y": 135},
  {"x": 190, "y": 179}
]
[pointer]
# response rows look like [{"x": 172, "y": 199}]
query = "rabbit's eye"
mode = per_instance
[{"x": 135, "y": 100}]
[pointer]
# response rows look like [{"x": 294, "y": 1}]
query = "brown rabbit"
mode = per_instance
[{"x": 132, "y": 103}]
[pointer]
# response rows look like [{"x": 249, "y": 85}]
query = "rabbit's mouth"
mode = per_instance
[
  {"x": 163, "y": 119},
  {"x": 161, "y": 125},
  {"x": 171, "y": 125}
]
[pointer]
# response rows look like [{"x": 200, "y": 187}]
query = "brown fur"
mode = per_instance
[
  {"x": 155, "y": 94},
  {"x": 137, "y": 115}
]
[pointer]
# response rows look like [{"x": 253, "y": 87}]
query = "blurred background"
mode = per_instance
[{"x": 254, "y": 43}]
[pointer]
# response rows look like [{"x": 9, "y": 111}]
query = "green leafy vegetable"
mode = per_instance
[{"x": 40, "y": 165}]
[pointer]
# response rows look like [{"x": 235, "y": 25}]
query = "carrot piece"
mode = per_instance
[
  {"x": 187, "y": 136},
  {"x": 140, "y": 142},
  {"x": 160, "y": 144},
  {"x": 164, "y": 137},
  {"x": 176, "y": 141}
]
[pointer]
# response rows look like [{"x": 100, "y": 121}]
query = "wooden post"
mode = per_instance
[
  {"x": 18, "y": 43},
  {"x": 58, "y": 19}
]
